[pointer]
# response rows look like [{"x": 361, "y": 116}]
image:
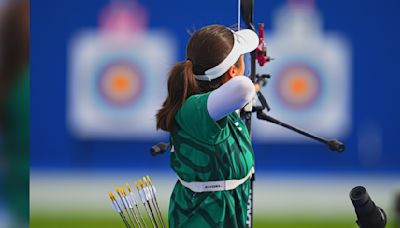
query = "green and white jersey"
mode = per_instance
[{"x": 206, "y": 150}]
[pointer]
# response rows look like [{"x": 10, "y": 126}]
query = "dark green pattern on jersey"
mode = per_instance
[{"x": 206, "y": 150}]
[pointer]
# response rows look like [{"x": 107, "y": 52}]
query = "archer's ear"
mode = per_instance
[{"x": 231, "y": 72}]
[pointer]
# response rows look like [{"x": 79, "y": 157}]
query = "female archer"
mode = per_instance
[{"x": 210, "y": 146}]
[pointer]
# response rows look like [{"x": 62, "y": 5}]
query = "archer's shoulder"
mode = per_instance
[{"x": 196, "y": 100}]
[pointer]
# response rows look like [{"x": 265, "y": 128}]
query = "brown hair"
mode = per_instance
[
  {"x": 14, "y": 47},
  {"x": 15, "y": 40},
  {"x": 207, "y": 47}
]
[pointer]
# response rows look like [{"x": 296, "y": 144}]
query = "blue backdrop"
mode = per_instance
[{"x": 370, "y": 26}]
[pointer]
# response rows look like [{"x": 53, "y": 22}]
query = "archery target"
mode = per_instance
[
  {"x": 120, "y": 84},
  {"x": 298, "y": 86},
  {"x": 117, "y": 84}
]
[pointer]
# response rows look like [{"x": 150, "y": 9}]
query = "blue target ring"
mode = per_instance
[
  {"x": 119, "y": 83},
  {"x": 298, "y": 86}
]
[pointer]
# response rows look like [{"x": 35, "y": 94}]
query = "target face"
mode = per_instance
[
  {"x": 114, "y": 89},
  {"x": 119, "y": 84},
  {"x": 298, "y": 86}
]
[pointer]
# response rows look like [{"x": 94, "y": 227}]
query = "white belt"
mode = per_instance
[{"x": 214, "y": 186}]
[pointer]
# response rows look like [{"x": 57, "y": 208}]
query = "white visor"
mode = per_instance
[{"x": 246, "y": 40}]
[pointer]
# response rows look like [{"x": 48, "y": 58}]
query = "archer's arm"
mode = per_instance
[{"x": 231, "y": 96}]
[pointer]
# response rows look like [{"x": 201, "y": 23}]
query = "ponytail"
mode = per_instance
[{"x": 181, "y": 85}]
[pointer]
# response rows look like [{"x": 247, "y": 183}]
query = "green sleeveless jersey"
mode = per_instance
[{"x": 205, "y": 150}]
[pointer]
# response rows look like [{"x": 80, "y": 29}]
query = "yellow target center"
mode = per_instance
[
  {"x": 120, "y": 83},
  {"x": 299, "y": 86}
]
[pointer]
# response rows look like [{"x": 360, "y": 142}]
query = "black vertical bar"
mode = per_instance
[{"x": 247, "y": 7}]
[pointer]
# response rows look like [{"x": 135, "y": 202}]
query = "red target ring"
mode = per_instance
[
  {"x": 120, "y": 84},
  {"x": 298, "y": 86}
]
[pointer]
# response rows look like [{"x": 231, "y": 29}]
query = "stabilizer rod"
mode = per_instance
[{"x": 333, "y": 144}]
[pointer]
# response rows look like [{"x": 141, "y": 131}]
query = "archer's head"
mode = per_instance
[{"x": 214, "y": 55}]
